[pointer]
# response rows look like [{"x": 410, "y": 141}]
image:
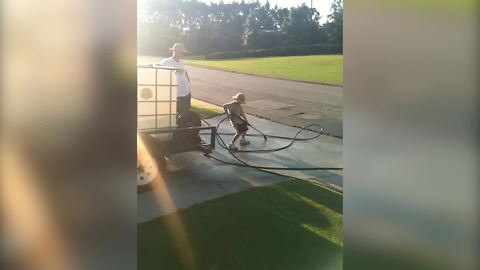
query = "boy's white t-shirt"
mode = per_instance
[
  {"x": 236, "y": 110},
  {"x": 183, "y": 88}
]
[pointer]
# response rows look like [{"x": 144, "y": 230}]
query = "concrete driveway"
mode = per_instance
[
  {"x": 287, "y": 102},
  {"x": 194, "y": 178}
]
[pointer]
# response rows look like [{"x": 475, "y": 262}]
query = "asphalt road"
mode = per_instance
[{"x": 287, "y": 102}]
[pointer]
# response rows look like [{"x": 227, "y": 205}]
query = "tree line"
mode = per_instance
[{"x": 206, "y": 28}]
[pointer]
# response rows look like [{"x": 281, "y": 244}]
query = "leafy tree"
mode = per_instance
[
  {"x": 251, "y": 33},
  {"x": 234, "y": 26},
  {"x": 265, "y": 18},
  {"x": 334, "y": 25},
  {"x": 301, "y": 25}
]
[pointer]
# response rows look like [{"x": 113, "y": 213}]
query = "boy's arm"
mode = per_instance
[
  {"x": 244, "y": 117},
  {"x": 226, "y": 110}
]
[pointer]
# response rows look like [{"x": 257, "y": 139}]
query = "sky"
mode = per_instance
[{"x": 323, "y": 6}]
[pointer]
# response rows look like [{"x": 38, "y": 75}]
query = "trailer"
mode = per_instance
[{"x": 161, "y": 132}]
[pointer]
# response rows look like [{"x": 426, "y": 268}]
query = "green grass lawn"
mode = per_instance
[
  {"x": 205, "y": 109},
  {"x": 291, "y": 225},
  {"x": 326, "y": 69}
]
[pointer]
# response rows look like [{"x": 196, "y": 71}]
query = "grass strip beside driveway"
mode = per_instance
[
  {"x": 205, "y": 109},
  {"x": 291, "y": 225}
]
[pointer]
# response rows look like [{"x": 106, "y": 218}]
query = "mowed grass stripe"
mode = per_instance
[{"x": 324, "y": 69}]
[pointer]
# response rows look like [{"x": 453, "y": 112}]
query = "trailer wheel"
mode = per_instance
[{"x": 151, "y": 165}]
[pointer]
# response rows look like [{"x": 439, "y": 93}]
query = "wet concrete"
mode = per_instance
[{"x": 194, "y": 178}]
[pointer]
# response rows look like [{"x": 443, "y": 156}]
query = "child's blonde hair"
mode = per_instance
[{"x": 239, "y": 97}]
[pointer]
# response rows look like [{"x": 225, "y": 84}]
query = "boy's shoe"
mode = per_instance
[
  {"x": 232, "y": 147},
  {"x": 244, "y": 142}
]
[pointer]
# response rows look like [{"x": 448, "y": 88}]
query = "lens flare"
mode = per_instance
[{"x": 173, "y": 221}]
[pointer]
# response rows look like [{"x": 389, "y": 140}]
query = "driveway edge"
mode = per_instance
[{"x": 263, "y": 117}]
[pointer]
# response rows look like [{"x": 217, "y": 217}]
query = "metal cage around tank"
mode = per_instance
[
  {"x": 157, "y": 109},
  {"x": 156, "y": 98}
]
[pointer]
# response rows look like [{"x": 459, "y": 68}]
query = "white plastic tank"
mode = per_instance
[{"x": 156, "y": 98}]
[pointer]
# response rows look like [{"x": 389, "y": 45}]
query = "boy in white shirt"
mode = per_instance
[
  {"x": 184, "y": 95},
  {"x": 238, "y": 119}
]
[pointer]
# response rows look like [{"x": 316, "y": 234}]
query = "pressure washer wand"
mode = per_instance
[
  {"x": 248, "y": 124},
  {"x": 264, "y": 136}
]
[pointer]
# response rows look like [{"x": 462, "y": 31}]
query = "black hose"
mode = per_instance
[
  {"x": 269, "y": 169},
  {"x": 292, "y": 139},
  {"x": 242, "y": 163}
]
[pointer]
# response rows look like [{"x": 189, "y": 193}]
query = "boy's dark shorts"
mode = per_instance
[{"x": 241, "y": 127}]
